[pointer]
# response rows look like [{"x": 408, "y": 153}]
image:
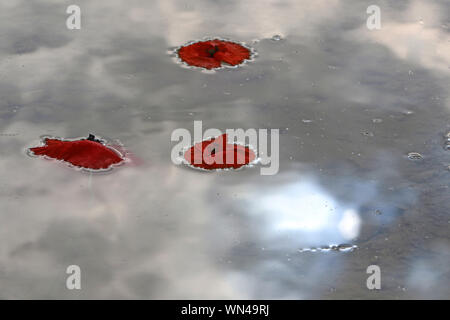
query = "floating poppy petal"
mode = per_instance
[
  {"x": 87, "y": 153},
  {"x": 216, "y": 153},
  {"x": 212, "y": 53}
]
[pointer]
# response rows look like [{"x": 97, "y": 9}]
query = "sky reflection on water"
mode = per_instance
[{"x": 156, "y": 230}]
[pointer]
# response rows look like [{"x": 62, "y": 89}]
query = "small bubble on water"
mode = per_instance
[
  {"x": 340, "y": 248},
  {"x": 346, "y": 247},
  {"x": 367, "y": 133},
  {"x": 415, "y": 156},
  {"x": 447, "y": 141},
  {"x": 277, "y": 37}
]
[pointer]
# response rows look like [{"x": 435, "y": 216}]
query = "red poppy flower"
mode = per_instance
[
  {"x": 216, "y": 153},
  {"x": 212, "y": 53},
  {"x": 87, "y": 153}
]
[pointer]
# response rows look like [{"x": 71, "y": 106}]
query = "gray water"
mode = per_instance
[{"x": 350, "y": 103}]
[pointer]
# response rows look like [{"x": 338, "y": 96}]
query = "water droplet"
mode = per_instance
[
  {"x": 377, "y": 120},
  {"x": 277, "y": 37},
  {"x": 306, "y": 120},
  {"x": 415, "y": 156}
]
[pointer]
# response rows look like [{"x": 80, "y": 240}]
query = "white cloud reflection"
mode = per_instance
[
  {"x": 419, "y": 35},
  {"x": 308, "y": 212}
]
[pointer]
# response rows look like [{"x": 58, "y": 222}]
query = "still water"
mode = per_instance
[{"x": 364, "y": 172}]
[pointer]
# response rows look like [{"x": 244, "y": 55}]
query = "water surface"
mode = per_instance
[{"x": 350, "y": 103}]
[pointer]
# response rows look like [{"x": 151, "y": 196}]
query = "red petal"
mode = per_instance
[
  {"x": 212, "y": 53},
  {"x": 213, "y": 154},
  {"x": 80, "y": 153}
]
